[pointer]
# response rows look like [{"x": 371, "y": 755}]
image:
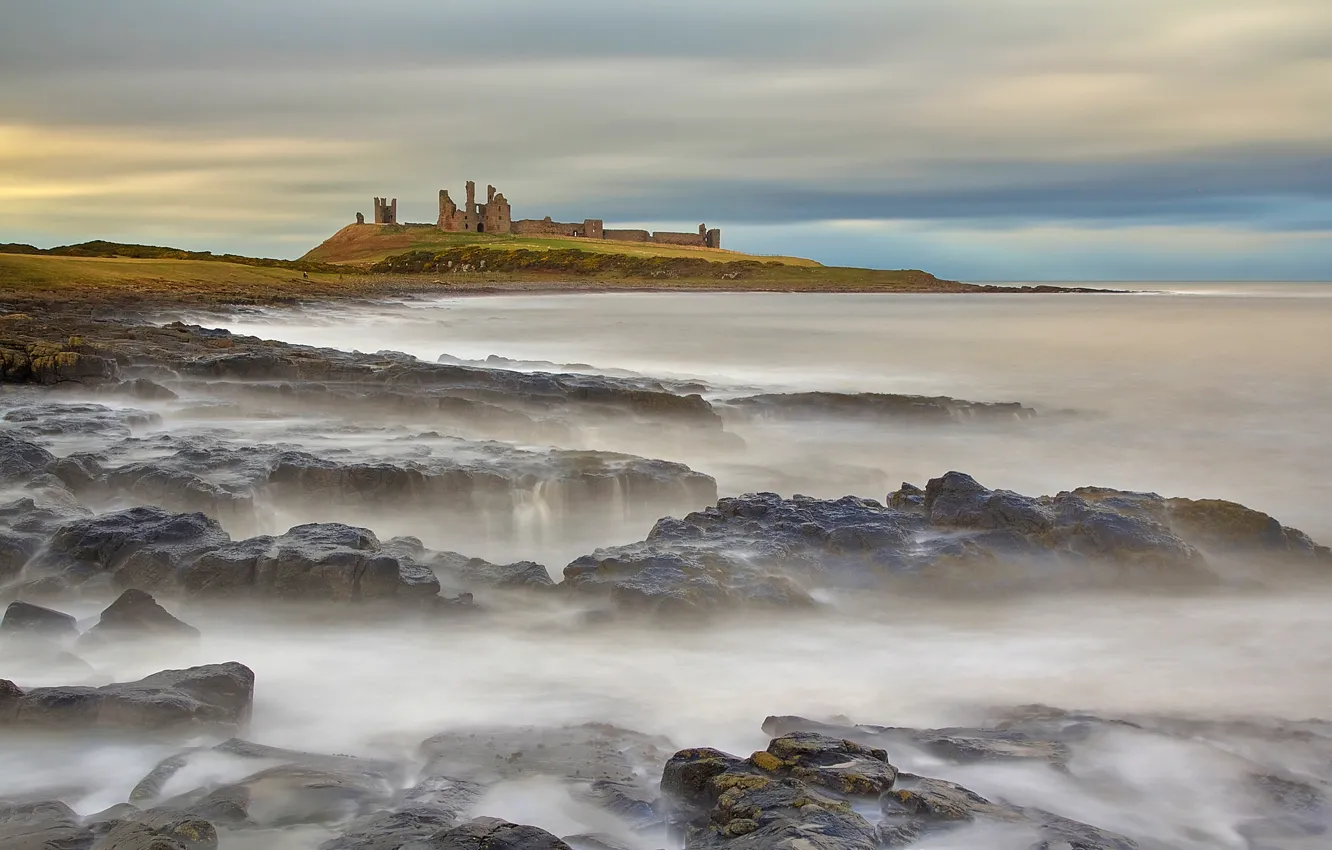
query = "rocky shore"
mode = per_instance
[{"x": 150, "y": 470}]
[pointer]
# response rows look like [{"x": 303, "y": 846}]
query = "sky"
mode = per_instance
[{"x": 977, "y": 139}]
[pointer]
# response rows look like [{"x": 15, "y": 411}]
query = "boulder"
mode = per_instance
[
  {"x": 727, "y": 802},
  {"x": 960, "y": 745},
  {"x": 26, "y": 618},
  {"x": 140, "y": 547},
  {"x": 126, "y": 828},
  {"x": 49, "y": 825},
  {"x": 923, "y": 809},
  {"x": 336, "y": 562},
  {"x": 391, "y": 830},
  {"x": 489, "y": 834},
  {"x": 135, "y": 614},
  {"x": 1228, "y": 526},
  {"x": 841, "y": 766},
  {"x": 227, "y": 571},
  {"x": 20, "y": 459},
  {"x": 211, "y": 696}
]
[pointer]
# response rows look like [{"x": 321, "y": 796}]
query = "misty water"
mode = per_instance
[{"x": 1201, "y": 391}]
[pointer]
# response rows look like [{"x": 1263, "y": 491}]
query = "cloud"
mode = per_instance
[{"x": 206, "y": 120}]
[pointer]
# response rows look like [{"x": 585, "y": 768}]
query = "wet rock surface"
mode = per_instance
[
  {"x": 206, "y": 697},
  {"x": 109, "y": 498},
  {"x": 762, "y": 548},
  {"x": 874, "y": 406}
]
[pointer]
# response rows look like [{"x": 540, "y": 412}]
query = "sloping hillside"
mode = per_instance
[{"x": 370, "y": 243}]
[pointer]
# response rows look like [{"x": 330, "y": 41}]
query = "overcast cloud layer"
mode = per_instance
[{"x": 981, "y": 139}]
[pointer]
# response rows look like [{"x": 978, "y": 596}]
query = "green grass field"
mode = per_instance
[{"x": 370, "y": 243}]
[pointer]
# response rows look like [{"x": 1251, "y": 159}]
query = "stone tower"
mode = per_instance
[{"x": 386, "y": 211}]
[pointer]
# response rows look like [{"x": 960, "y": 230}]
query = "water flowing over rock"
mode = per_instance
[
  {"x": 490, "y": 834},
  {"x": 953, "y": 534},
  {"x": 886, "y": 407}
]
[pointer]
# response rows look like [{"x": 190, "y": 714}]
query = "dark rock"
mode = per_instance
[
  {"x": 595, "y": 841},
  {"x": 154, "y": 829},
  {"x": 1227, "y": 526},
  {"x": 924, "y": 807},
  {"x": 26, "y": 618},
  {"x": 490, "y": 834},
  {"x": 49, "y": 825},
  {"x": 20, "y": 459},
  {"x": 140, "y": 388},
  {"x": 443, "y": 795},
  {"x": 140, "y": 547},
  {"x": 957, "y": 500},
  {"x": 336, "y": 562},
  {"x": 391, "y": 830},
  {"x": 888, "y": 407},
  {"x": 136, "y": 614},
  {"x": 216, "y": 695},
  {"x": 729, "y": 803},
  {"x": 228, "y": 571},
  {"x": 841, "y": 766},
  {"x": 687, "y": 776},
  {"x": 962, "y": 745}
]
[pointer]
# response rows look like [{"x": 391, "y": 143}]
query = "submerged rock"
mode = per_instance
[
  {"x": 390, "y": 830},
  {"x": 889, "y": 407}
]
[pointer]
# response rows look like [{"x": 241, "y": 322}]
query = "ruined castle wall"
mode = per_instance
[
  {"x": 627, "y": 235},
  {"x": 546, "y": 227},
  {"x": 667, "y": 238}
]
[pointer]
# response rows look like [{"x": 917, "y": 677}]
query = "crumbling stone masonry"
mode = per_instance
[
  {"x": 491, "y": 217},
  {"x": 386, "y": 211},
  {"x": 495, "y": 216}
]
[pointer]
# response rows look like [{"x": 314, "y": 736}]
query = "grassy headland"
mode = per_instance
[{"x": 369, "y": 261}]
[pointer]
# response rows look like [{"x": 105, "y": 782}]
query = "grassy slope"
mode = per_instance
[
  {"x": 40, "y": 275},
  {"x": 369, "y": 243}
]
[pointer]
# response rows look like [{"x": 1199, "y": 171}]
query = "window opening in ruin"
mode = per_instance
[{"x": 480, "y": 228}]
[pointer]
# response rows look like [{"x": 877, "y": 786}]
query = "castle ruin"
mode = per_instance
[
  {"x": 386, "y": 212},
  {"x": 495, "y": 216}
]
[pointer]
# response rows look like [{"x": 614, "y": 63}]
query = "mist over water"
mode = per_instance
[
  {"x": 1199, "y": 390},
  {"x": 1205, "y": 392}
]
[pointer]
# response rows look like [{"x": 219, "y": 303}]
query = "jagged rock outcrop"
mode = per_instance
[
  {"x": 954, "y": 534},
  {"x": 135, "y": 614},
  {"x": 727, "y": 802},
  {"x": 139, "y": 547},
  {"x": 211, "y": 696}
]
